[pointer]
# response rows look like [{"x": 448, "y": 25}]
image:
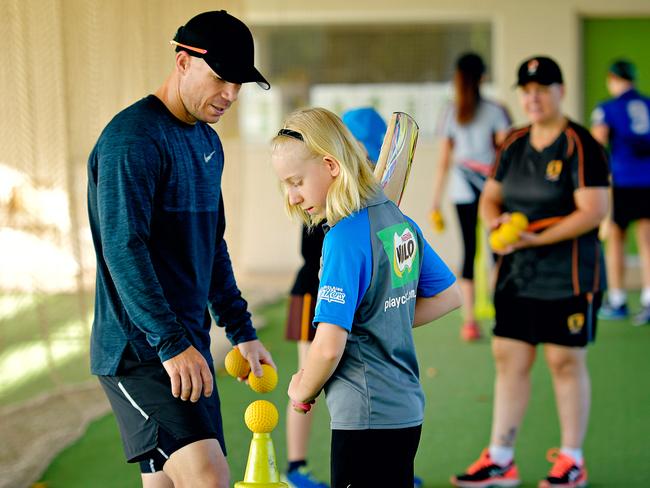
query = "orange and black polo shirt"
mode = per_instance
[{"x": 541, "y": 184}]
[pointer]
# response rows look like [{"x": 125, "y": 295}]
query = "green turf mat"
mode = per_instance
[{"x": 457, "y": 378}]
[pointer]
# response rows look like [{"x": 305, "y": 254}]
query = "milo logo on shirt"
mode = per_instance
[{"x": 401, "y": 247}]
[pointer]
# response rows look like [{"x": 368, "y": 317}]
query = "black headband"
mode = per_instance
[{"x": 291, "y": 133}]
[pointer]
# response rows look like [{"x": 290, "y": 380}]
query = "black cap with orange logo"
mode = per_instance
[{"x": 539, "y": 69}]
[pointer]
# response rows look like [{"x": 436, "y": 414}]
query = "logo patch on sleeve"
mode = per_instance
[
  {"x": 331, "y": 294},
  {"x": 401, "y": 247}
]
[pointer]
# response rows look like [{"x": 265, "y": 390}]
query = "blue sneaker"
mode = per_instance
[
  {"x": 607, "y": 312},
  {"x": 302, "y": 478},
  {"x": 642, "y": 318}
]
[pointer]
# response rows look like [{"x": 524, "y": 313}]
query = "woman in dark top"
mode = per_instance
[{"x": 549, "y": 283}]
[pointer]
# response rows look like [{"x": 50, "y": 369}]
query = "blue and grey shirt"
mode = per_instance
[
  {"x": 375, "y": 264},
  {"x": 156, "y": 217},
  {"x": 628, "y": 119}
]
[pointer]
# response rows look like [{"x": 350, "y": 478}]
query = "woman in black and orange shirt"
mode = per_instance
[{"x": 550, "y": 282}]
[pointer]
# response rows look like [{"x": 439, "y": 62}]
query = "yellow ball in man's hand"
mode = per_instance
[
  {"x": 236, "y": 364},
  {"x": 267, "y": 382}
]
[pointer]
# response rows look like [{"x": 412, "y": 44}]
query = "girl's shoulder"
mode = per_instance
[{"x": 350, "y": 227}]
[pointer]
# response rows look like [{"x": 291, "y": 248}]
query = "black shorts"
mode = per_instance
[
  {"x": 630, "y": 204},
  {"x": 373, "y": 458},
  {"x": 300, "y": 318},
  {"x": 153, "y": 424},
  {"x": 567, "y": 321}
]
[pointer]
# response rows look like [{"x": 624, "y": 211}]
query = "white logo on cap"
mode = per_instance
[{"x": 533, "y": 64}]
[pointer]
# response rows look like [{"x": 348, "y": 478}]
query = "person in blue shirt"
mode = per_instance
[
  {"x": 379, "y": 279},
  {"x": 623, "y": 124},
  {"x": 368, "y": 127},
  {"x": 157, "y": 221}
]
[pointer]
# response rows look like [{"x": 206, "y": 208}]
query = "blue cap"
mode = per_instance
[{"x": 368, "y": 128}]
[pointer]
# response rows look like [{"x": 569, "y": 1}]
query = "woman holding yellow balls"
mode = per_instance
[{"x": 550, "y": 275}]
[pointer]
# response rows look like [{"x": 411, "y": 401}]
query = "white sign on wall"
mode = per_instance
[{"x": 262, "y": 112}]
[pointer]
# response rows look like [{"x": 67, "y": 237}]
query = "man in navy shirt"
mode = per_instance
[
  {"x": 157, "y": 221},
  {"x": 623, "y": 124}
]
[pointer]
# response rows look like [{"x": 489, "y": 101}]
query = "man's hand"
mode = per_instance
[
  {"x": 256, "y": 354},
  {"x": 190, "y": 375}
]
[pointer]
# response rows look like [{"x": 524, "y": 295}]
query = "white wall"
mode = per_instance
[{"x": 521, "y": 28}]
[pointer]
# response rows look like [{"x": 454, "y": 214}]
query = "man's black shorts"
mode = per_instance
[
  {"x": 567, "y": 321},
  {"x": 153, "y": 424},
  {"x": 630, "y": 204}
]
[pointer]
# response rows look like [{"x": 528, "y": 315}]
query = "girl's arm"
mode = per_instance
[
  {"x": 431, "y": 308},
  {"x": 322, "y": 359}
]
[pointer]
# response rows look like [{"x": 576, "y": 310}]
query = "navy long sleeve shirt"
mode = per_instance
[{"x": 157, "y": 221}]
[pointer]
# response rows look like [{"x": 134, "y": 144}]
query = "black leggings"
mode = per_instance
[
  {"x": 374, "y": 458},
  {"x": 468, "y": 217}
]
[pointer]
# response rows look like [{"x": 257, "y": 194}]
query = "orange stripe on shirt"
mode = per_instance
[
  {"x": 581, "y": 156},
  {"x": 574, "y": 269},
  {"x": 542, "y": 224},
  {"x": 304, "y": 322},
  {"x": 597, "y": 269},
  {"x": 510, "y": 138}
]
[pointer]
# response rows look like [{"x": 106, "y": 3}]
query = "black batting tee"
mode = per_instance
[{"x": 541, "y": 184}]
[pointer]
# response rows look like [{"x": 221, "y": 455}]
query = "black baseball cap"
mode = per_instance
[
  {"x": 224, "y": 42},
  {"x": 539, "y": 69},
  {"x": 623, "y": 69}
]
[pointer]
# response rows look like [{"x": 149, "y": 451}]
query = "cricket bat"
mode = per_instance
[{"x": 396, "y": 155}]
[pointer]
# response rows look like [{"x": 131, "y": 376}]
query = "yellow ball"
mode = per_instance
[
  {"x": 496, "y": 243},
  {"x": 261, "y": 417},
  {"x": 519, "y": 220},
  {"x": 266, "y": 383},
  {"x": 508, "y": 233},
  {"x": 236, "y": 364}
]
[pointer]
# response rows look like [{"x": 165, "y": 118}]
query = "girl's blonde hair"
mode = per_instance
[{"x": 324, "y": 134}]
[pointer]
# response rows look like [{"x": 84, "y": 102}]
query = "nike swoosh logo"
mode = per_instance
[{"x": 208, "y": 157}]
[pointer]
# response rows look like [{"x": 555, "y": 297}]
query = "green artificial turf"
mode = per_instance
[
  {"x": 47, "y": 321},
  {"x": 457, "y": 379}
]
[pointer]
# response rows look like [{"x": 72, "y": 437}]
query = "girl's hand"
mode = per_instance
[{"x": 294, "y": 388}]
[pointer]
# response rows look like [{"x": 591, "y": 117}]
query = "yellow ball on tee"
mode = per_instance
[{"x": 261, "y": 417}]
